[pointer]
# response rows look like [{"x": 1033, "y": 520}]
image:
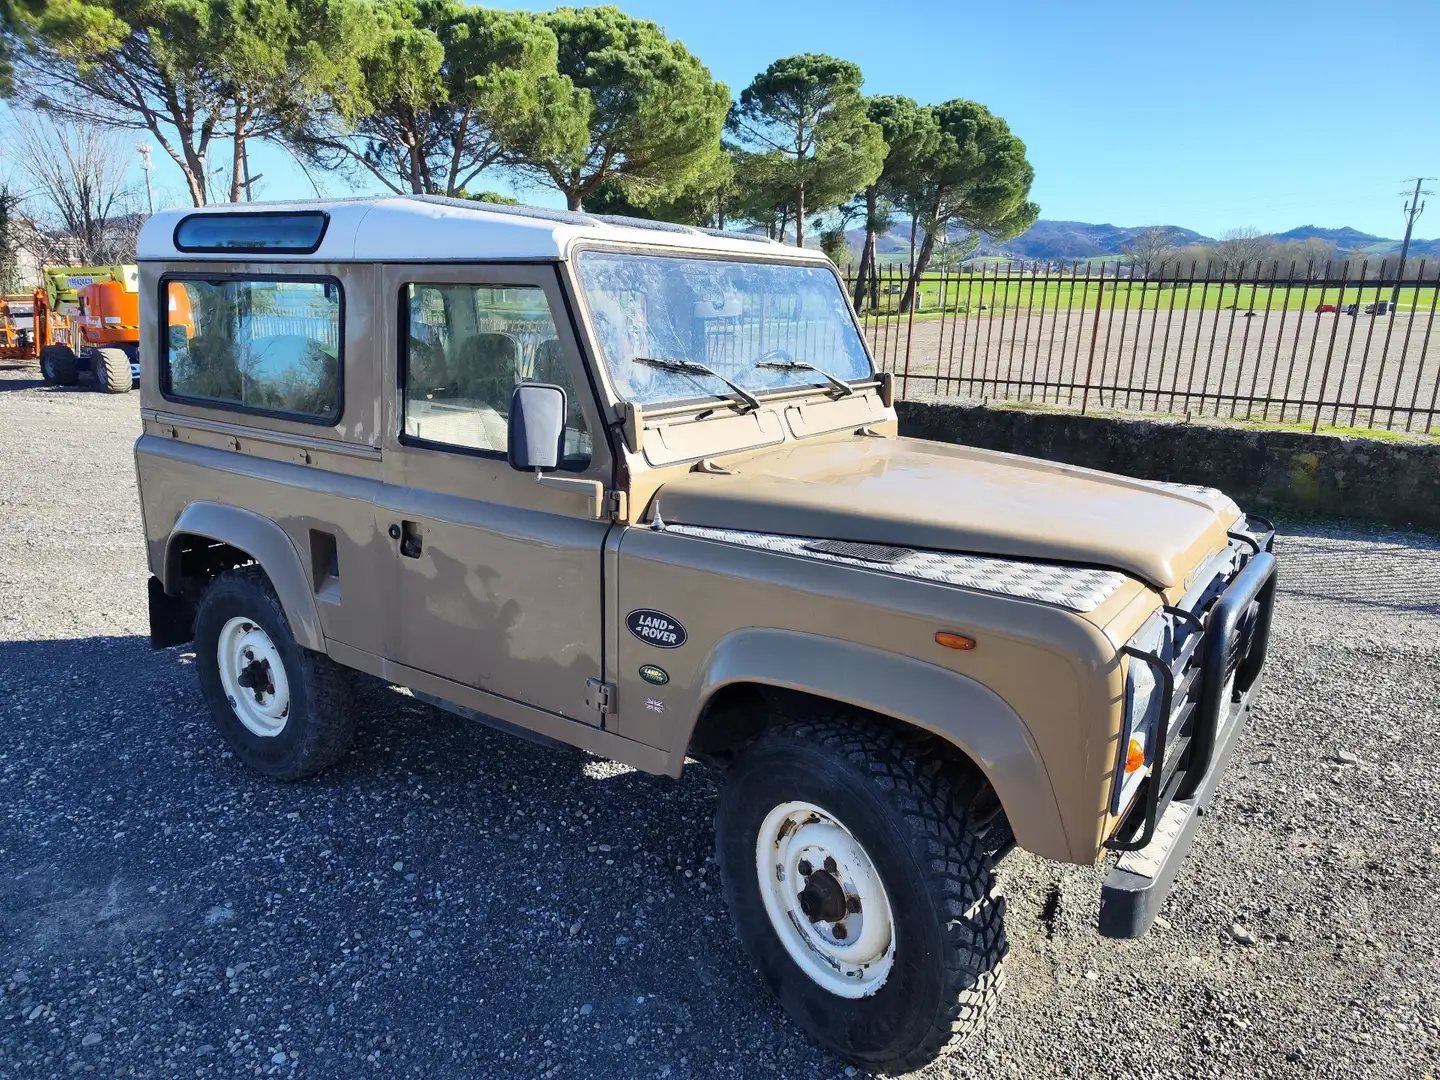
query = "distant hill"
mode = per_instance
[
  {"x": 1356, "y": 242},
  {"x": 1067, "y": 241},
  {"x": 890, "y": 243},
  {"x": 1346, "y": 238}
]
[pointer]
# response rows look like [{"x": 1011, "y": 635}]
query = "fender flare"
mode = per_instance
[
  {"x": 265, "y": 542},
  {"x": 964, "y": 712}
]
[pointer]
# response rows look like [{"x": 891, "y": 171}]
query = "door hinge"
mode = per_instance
[
  {"x": 617, "y": 505},
  {"x": 600, "y": 696}
]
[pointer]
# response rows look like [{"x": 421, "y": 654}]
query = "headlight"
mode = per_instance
[{"x": 1142, "y": 709}]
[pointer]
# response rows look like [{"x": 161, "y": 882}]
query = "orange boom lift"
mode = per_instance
[
  {"x": 27, "y": 325},
  {"x": 100, "y": 331}
]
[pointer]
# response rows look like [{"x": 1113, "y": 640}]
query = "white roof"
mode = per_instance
[{"x": 432, "y": 229}]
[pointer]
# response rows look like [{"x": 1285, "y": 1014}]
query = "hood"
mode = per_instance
[{"x": 919, "y": 494}]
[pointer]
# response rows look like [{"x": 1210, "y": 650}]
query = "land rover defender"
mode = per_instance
[{"x": 638, "y": 488}]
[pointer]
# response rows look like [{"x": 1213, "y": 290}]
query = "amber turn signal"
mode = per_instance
[
  {"x": 1134, "y": 755},
  {"x": 954, "y": 641}
]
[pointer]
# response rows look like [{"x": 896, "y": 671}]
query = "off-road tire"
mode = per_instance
[
  {"x": 321, "y": 721},
  {"x": 59, "y": 366},
  {"x": 112, "y": 370},
  {"x": 915, "y": 810}
]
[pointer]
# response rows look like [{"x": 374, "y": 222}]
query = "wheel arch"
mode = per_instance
[
  {"x": 258, "y": 539},
  {"x": 971, "y": 717}
]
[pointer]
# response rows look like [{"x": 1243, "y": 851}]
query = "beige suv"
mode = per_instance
[{"x": 638, "y": 488}]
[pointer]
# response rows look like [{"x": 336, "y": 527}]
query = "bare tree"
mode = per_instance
[
  {"x": 1150, "y": 248},
  {"x": 10, "y": 237},
  {"x": 77, "y": 172},
  {"x": 1315, "y": 254},
  {"x": 1241, "y": 248}
]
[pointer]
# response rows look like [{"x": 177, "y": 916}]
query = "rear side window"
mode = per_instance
[{"x": 268, "y": 346}]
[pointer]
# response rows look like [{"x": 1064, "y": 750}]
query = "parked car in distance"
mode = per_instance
[
  {"x": 1325, "y": 309},
  {"x": 638, "y": 488}
]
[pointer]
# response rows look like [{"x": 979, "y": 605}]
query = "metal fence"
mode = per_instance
[
  {"x": 1340, "y": 345},
  {"x": 320, "y": 325}
]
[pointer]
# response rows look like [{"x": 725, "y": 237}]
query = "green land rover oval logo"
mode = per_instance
[{"x": 657, "y": 676}]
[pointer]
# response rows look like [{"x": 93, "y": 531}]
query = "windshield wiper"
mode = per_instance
[
  {"x": 693, "y": 367},
  {"x": 800, "y": 365}
]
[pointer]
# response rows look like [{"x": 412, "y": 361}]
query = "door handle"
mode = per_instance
[{"x": 408, "y": 533}]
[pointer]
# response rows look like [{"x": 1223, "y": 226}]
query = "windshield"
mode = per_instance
[{"x": 728, "y": 316}]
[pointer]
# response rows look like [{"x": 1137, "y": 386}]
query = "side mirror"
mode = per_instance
[
  {"x": 729, "y": 306},
  {"x": 537, "y": 426}
]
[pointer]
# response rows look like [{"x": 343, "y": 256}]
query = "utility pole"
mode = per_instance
[
  {"x": 1413, "y": 209},
  {"x": 146, "y": 164},
  {"x": 249, "y": 180}
]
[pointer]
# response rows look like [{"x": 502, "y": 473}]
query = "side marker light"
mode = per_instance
[{"x": 954, "y": 641}]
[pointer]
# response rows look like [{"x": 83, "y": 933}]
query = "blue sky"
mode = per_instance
[{"x": 1271, "y": 114}]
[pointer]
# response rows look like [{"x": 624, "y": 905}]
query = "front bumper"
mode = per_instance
[{"x": 1208, "y": 688}]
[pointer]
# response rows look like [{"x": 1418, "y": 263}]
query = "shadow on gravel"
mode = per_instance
[
  {"x": 33, "y": 384},
  {"x": 1394, "y": 571},
  {"x": 448, "y": 900}
]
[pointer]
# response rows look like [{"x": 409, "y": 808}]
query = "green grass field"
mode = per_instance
[{"x": 970, "y": 292}]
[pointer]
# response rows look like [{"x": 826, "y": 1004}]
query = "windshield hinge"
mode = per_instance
[
  {"x": 600, "y": 696},
  {"x": 886, "y": 384},
  {"x": 617, "y": 505},
  {"x": 632, "y": 424}
]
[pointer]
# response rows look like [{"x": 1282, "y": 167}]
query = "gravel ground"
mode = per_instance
[{"x": 452, "y": 902}]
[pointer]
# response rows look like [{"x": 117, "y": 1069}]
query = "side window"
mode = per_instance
[
  {"x": 466, "y": 347},
  {"x": 266, "y": 346}
]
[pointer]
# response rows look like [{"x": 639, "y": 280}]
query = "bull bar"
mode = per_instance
[{"x": 1207, "y": 687}]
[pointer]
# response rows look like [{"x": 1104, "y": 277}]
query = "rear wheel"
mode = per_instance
[
  {"x": 285, "y": 711},
  {"x": 112, "y": 370},
  {"x": 59, "y": 365},
  {"x": 858, "y": 874}
]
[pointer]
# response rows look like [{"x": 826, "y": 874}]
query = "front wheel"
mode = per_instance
[
  {"x": 859, "y": 882},
  {"x": 112, "y": 370},
  {"x": 285, "y": 711}
]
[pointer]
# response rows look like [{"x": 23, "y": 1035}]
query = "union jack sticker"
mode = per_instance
[{"x": 654, "y": 704}]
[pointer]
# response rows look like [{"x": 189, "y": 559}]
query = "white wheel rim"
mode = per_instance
[
  {"x": 253, "y": 677},
  {"x": 811, "y": 870}
]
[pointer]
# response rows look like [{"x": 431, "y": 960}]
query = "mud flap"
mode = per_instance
[{"x": 172, "y": 618}]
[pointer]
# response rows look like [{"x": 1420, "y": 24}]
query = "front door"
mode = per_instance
[{"x": 497, "y": 579}]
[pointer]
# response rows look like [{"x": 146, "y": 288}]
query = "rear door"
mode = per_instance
[{"x": 495, "y": 580}]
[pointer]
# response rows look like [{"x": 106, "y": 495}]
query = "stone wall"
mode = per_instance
[{"x": 1392, "y": 482}]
